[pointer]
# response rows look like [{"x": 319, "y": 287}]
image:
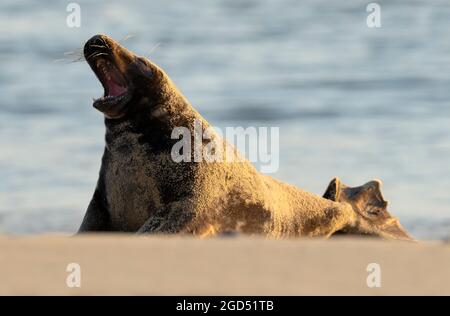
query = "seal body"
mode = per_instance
[{"x": 142, "y": 189}]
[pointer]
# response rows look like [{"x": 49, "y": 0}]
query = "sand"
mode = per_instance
[{"x": 125, "y": 265}]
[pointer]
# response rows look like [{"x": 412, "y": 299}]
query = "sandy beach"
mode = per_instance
[{"x": 129, "y": 265}]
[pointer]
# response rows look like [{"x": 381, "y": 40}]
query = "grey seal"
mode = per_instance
[{"x": 142, "y": 189}]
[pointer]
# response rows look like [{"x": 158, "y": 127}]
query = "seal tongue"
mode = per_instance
[
  {"x": 111, "y": 78},
  {"x": 113, "y": 88}
]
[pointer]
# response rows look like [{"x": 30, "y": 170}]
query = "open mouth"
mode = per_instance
[{"x": 114, "y": 83}]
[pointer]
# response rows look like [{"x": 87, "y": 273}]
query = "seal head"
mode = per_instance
[
  {"x": 370, "y": 207},
  {"x": 126, "y": 78}
]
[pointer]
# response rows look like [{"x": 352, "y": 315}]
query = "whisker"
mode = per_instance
[
  {"x": 93, "y": 55},
  {"x": 90, "y": 56},
  {"x": 66, "y": 60},
  {"x": 127, "y": 37},
  {"x": 105, "y": 43},
  {"x": 81, "y": 58},
  {"x": 153, "y": 49},
  {"x": 74, "y": 56},
  {"x": 97, "y": 46}
]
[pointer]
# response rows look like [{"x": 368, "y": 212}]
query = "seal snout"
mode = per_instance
[
  {"x": 100, "y": 53},
  {"x": 97, "y": 44}
]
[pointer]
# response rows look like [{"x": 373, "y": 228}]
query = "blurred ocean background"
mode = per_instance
[{"x": 351, "y": 101}]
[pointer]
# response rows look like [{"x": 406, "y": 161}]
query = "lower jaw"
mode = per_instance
[{"x": 114, "y": 109}]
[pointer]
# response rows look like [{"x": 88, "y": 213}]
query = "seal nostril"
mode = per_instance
[
  {"x": 94, "y": 44},
  {"x": 97, "y": 42}
]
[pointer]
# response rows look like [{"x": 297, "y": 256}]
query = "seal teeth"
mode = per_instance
[
  {"x": 101, "y": 65},
  {"x": 107, "y": 76}
]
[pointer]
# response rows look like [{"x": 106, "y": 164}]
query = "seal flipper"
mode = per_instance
[
  {"x": 168, "y": 220},
  {"x": 97, "y": 216},
  {"x": 371, "y": 208}
]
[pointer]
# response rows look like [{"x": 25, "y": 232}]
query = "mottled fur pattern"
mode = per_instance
[{"x": 141, "y": 189}]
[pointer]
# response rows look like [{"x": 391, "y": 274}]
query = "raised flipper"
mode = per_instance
[{"x": 371, "y": 208}]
